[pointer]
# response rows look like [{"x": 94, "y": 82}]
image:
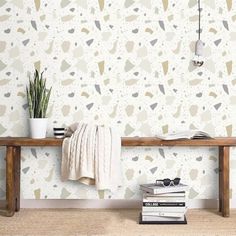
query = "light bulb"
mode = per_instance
[{"x": 198, "y": 59}]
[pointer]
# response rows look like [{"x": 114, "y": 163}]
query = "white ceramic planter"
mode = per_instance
[{"x": 38, "y": 127}]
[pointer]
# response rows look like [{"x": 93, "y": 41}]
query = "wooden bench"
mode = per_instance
[{"x": 13, "y": 162}]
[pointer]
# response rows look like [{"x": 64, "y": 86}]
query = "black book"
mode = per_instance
[{"x": 163, "y": 204}]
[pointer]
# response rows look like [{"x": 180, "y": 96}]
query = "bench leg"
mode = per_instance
[
  {"x": 220, "y": 177},
  {"x": 225, "y": 182},
  {"x": 17, "y": 162},
  {"x": 10, "y": 187}
]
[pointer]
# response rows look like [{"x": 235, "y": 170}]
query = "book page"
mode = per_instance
[{"x": 189, "y": 134}]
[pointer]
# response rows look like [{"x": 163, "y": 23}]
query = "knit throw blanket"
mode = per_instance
[{"x": 92, "y": 155}]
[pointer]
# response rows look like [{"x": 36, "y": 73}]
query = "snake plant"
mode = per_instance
[{"x": 38, "y": 96}]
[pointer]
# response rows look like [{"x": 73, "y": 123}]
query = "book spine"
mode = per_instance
[
  {"x": 164, "y": 209},
  {"x": 168, "y": 190},
  {"x": 153, "y": 189},
  {"x": 164, "y": 190},
  {"x": 164, "y": 204},
  {"x": 164, "y": 199},
  {"x": 167, "y": 214},
  {"x": 164, "y": 195}
]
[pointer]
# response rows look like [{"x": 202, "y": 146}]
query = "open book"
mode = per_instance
[{"x": 189, "y": 134}]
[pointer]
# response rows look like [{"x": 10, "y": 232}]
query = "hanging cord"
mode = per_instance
[{"x": 199, "y": 20}]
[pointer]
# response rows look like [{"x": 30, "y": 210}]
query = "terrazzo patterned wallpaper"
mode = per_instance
[{"x": 125, "y": 63}]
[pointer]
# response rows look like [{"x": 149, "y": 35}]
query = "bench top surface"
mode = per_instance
[{"x": 126, "y": 141}]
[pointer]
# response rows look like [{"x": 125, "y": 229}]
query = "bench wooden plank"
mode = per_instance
[
  {"x": 14, "y": 145},
  {"x": 152, "y": 141},
  {"x": 126, "y": 141}
]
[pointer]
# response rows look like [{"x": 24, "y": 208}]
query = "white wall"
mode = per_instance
[{"x": 128, "y": 64}]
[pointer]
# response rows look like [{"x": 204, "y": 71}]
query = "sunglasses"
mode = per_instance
[{"x": 168, "y": 182}]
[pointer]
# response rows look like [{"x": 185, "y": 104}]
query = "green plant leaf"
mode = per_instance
[{"x": 38, "y": 96}]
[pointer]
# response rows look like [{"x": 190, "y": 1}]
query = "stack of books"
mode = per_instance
[{"x": 163, "y": 205}]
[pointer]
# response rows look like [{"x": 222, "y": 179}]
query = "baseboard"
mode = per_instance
[{"x": 66, "y": 203}]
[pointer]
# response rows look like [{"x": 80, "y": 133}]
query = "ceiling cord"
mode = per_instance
[{"x": 199, "y": 20}]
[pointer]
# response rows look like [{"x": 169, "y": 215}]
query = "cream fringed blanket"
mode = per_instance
[{"x": 92, "y": 156}]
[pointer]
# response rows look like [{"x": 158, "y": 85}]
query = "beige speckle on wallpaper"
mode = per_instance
[
  {"x": 101, "y": 4},
  {"x": 101, "y": 67},
  {"x": 229, "y": 4},
  {"x": 128, "y": 64},
  {"x": 37, "y": 4},
  {"x": 165, "y": 4},
  {"x": 165, "y": 65},
  {"x": 37, "y": 193}
]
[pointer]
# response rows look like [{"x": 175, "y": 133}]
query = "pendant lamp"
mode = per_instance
[{"x": 198, "y": 59}]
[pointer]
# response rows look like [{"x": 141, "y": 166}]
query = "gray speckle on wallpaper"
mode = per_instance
[{"x": 127, "y": 64}]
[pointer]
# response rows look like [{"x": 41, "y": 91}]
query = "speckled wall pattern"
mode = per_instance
[{"x": 125, "y": 63}]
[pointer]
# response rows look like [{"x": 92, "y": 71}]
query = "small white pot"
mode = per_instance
[{"x": 38, "y": 127}]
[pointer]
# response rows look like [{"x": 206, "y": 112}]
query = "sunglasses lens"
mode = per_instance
[
  {"x": 176, "y": 181},
  {"x": 166, "y": 182}
]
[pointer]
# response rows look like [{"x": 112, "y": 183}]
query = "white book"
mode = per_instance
[
  {"x": 189, "y": 134},
  {"x": 165, "y": 209},
  {"x": 161, "y": 218},
  {"x": 164, "y": 195},
  {"x": 164, "y": 200},
  {"x": 166, "y": 214},
  {"x": 159, "y": 188}
]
